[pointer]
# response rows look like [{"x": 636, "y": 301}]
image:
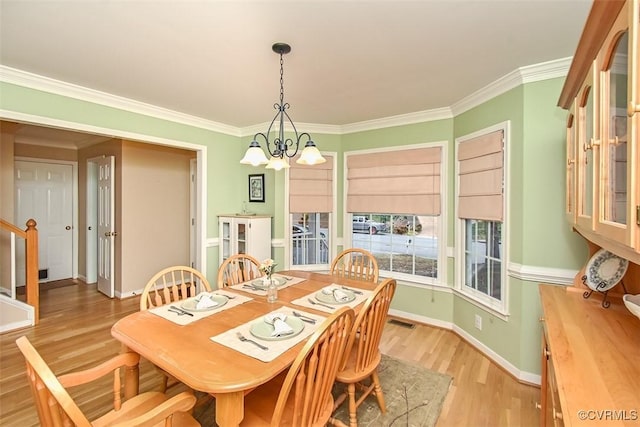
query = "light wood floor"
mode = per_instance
[{"x": 74, "y": 333}]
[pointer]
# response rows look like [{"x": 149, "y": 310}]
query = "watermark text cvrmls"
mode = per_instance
[{"x": 608, "y": 414}]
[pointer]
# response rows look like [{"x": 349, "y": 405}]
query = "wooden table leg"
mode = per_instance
[
  {"x": 131, "y": 378},
  {"x": 229, "y": 409}
]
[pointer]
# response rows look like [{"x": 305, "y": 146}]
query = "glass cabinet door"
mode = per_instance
[
  {"x": 614, "y": 148},
  {"x": 226, "y": 240},
  {"x": 571, "y": 167},
  {"x": 587, "y": 146},
  {"x": 241, "y": 237}
]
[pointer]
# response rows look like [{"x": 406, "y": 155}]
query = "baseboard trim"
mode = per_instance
[{"x": 521, "y": 376}]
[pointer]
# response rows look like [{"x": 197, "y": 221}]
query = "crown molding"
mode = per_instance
[
  {"x": 308, "y": 127},
  {"x": 57, "y": 87},
  {"x": 527, "y": 74},
  {"x": 399, "y": 120}
]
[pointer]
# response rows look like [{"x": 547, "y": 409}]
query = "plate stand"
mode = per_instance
[{"x": 605, "y": 303}]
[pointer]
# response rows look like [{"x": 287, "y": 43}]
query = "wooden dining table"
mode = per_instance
[{"x": 188, "y": 354}]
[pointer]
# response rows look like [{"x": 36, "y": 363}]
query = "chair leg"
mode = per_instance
[
  {"x": 377, "y": 390},
  {"x": 353, "y": 419}
]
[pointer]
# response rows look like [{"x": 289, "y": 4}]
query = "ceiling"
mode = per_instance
[{"x": 351, "y": 60}]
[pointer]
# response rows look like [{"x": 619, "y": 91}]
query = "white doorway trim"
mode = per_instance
[
  {"x": 74, "y": 207},
  {"x": 201, "y": 158}
]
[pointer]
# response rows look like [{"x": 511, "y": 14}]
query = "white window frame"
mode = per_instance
[
  {"x": 288, "y": 223},
  {"x": 501, "y": 308},
  {"x": 347, "y": 229}
]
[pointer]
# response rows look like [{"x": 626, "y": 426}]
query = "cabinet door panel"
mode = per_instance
[{"x": 613, "y": 198}]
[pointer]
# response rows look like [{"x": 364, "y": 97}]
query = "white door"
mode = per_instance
[
  {"x": 106, "y": 225},
  {"x": 44, "y": 192},
  {"x": 92, "y": 222}
]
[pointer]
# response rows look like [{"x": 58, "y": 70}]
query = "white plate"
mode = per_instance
[
  {"x": 604, "y": 270},
  {"x": 263, "y": 330},
  {"x": 632, "y": 302},
  {"x": 330, "y": 299},
  {"x": 258, "y": 283},
  {"x": 190, "y": 304}
]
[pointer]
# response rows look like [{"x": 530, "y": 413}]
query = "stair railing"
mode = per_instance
[{"x": 30, "y": 236}]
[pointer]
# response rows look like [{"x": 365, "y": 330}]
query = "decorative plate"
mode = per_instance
[
  {"x": 258, "y": 283},
  {"x": 331, "y": 299},
  {"x": 604, "y": 270},
  {"x": 263, "y": 330},
  {"x": 191, "y": 303},
  {"x": 632, "y": 302}
]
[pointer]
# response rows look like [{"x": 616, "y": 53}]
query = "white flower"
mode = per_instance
[{"x": 267, "y": 267}]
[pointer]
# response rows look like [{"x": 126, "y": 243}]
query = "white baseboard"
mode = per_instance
[{"x": 526, "y": 377}]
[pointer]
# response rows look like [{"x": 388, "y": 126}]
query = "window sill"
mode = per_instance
[{"x": 499, "y": 312}]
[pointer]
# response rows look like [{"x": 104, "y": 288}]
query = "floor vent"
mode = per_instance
[{"x": 402, "y": 323}]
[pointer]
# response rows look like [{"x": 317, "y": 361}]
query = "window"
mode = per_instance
[
  {"x": 310, "y": 238},
  {"x": 311, "y": 203},
  {"x": 394, "y": 197},
  {"x": 483, "y": 257},
  {"x": 405, "y": 244},
  {"x": 481, "y": 210}
]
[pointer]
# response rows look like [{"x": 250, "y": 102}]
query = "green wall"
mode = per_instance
[{"x": 538, "y": 233}]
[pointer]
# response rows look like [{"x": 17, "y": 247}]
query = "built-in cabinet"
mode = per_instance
[
  {"x": 602, "y": 96},
  {"x": 245, "y": 234},
  {"x": 590, "y": 370}
]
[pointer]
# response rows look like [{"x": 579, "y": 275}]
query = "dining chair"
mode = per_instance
[
  {"x": 170, "y": 285},
  {"x": 302, "y": 397},
  {"x": 238, "y": 268},
  {"x": 362, "y": 355},
  {"x": 356, "y": 263},
  {"x": 56, "y": 407},
  {"x": 173, "y": 284}
]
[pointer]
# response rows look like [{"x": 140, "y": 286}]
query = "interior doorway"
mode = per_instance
[{"x": 46, "y": 191}]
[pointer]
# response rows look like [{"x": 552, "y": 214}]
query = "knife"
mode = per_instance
[
  {"x": 181, "y": 310},
  {"x": 355, "y": 291}
]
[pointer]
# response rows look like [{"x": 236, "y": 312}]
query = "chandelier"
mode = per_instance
[{"x": 281, "y": 148}]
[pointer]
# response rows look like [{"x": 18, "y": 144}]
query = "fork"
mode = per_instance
[
  {"x": 225, "y": 295},
  {"x": 304, "y": 318},
  {"x": 245, "y": 339},
  {"x": 176, "y": 309},
  {"x": 320, "y": 304}
]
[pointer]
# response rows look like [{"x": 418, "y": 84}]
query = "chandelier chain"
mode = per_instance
[{"x": 281, "y": 81}]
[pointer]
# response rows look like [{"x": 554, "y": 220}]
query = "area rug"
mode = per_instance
[{"x": 414, "y": 397}]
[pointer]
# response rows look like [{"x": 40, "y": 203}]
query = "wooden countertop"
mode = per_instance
[{"x": 596, "y": 357}]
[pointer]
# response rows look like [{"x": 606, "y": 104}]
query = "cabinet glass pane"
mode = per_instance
[
  {"x": 588, "y": 167},
  {"x": 226, "y": 240},
  {"x": 241, "y": 238},
  {"x": 615, "y": 197}
]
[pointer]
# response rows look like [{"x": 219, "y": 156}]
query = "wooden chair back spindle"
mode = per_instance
[
  {"x": 238, "y": 268},
  {"x": 173, "y": 284},
  {"x": 356, "y": 263}
]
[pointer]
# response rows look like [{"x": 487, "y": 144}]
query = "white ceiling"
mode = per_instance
[{"x": 351, "y": 60}]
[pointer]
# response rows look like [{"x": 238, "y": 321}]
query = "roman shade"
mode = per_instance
[
  {"x": 311, "y": 187},
  {"x": 398, "y": 182},
  {"x": 480, "y": 177}
]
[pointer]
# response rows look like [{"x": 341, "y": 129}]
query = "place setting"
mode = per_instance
[
  {"x": 202, "y": 305},
  {"x": 268, "y": 336},
  {"x": 332, "y": 297},
  {"x": 259, "y": 286}
]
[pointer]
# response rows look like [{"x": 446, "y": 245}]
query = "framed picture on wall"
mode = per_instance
[{"x": 256, "y": 188}]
